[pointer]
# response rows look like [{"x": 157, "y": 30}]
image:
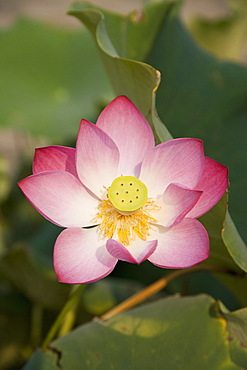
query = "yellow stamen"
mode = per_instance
[{"x": 125, "y": 226}]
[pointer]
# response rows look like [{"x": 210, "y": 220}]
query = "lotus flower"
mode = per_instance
[{"x": 120, "y": 197}]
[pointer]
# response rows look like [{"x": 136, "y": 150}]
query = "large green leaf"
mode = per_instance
[
  {"x": 213, "y": 222},
  {"x": 234, "y": 243},
  {"x": 236, "y": 250},
  {"x": 173, "y": 333},
  {"x": 43, "y": 362},
  {"x": 140, "y": 81},
  {"x": 127, "y": 32},
  {"x": 237, "y": 327},
  {"x": 42, "y": 89},
  {"x": 134, "y": 79}
]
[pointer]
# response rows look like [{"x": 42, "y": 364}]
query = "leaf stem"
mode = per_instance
[
  {"x": 157, "y": 286},
  {"x": 64, "y": 318}
]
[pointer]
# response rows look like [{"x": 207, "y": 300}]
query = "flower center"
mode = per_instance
[
  {"x": 125, "y": 214},
  {"x": 127, "y": 193}
]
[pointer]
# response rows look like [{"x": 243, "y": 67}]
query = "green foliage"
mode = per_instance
[
  {"x": 44, "y": 92},
  {"x": 175, "y": 333},
  {"x": 137, "y": 80},
  {"x": 234, "y": 243}
]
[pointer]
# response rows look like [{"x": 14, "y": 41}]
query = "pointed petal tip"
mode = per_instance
[
  {"x": 213, "y": 183},
  {"x": 129, "y": 129},
  {"x": 54, "y": 158},
  {"x": 137, "y": 252}
]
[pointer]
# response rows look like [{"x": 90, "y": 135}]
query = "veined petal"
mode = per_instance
[
  {"x": 180, "y": 246},
  {"x": 175, "y": 204},
  {"x": 54, "y": 158},
  {"x": 80, "y": 257},
  {"x": 179, "y": 161},
  {"x": 97, "y": 158},
  {"x": 213, "y": 183},
  {"x": 61, "y": 198},
  {"x": 129, "y": 129},
  {"x": 137, "y": 252}
]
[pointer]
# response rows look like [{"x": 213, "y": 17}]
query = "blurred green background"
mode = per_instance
[{"x": 51, "y": 76}]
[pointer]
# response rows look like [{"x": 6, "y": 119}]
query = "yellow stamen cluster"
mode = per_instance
[{"x": 125, "y": 227}]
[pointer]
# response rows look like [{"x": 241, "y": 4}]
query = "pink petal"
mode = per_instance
[
  {"x": 175, "y": 204},
  {"x": 180, "y": 246},
  {"x": 179, "y": 161},
  {"x": 213, "y": 183},
  {"x": 97, "y": 158},
  {"x": 125, "y": 124},
  {"x": 61, "y": 198},
  {"x": 54, "y": 158},
  {"x": 80, "y": 257},
  {"x": 137, "y": 252}
]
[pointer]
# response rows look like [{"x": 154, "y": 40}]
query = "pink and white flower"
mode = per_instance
[{"x": 120, "y": 197}]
